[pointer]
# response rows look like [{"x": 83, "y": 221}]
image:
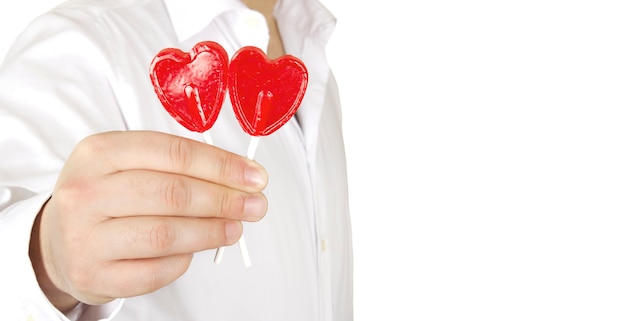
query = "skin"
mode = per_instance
[
  {"x": 127, "y": 222},
  {"x": 275, "y": 48}
]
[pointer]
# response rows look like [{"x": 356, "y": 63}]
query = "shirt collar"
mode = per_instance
[
  {"x": 301, "y": 20},
  {"x": 190, "y": 16},
  {"x": 299, "y": 17}
]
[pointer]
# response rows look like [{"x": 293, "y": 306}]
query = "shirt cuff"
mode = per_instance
[
  {"x": 85, "y": 312},
  {"x": 21, "y": 298}
]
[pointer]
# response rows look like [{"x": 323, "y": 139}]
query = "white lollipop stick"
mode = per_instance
[
  {"x": 207, "y": 138},
  {"x": 189, "y": 91},
  {"x": 254, "y": 142},
  {"x": 243, "y": 248},
  {"x": 192, "y": 93}
]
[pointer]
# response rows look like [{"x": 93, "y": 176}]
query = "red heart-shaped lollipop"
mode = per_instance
[
  {"x": 265, "y": 93},
  {"x": 191, "y": 86}
]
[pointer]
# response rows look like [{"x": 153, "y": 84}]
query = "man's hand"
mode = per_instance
[{"x": 130, "y": 209}]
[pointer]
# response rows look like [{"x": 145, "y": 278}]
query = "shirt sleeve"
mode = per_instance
[
  {"x": 54, "y": 83},
  {"x": 20, "y": 295}
]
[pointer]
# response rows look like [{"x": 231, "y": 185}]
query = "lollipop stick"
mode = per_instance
[
  {"x": 243, "y": 248},
  {"x": 207, "y": 138},
  {"x": 254, "y": 142}
]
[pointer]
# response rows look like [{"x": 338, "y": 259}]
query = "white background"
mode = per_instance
[{"x": 486, "y": 143}]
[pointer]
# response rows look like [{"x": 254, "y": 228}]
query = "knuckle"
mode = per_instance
[
  {"x": 79, "y": 281},
  {"x": 224, "y": 204},
  {"x": 161, "y": 237},
  {"x": 230, "y": 169},
  {"x": 224, "y": 165},
  {"x": 181, "y": 152},
  {"x": 94, "y": 145},
  {"x": 68, "y": 197},
  {"x": 151, "y": 280},
  {"x": 154, "y": 282},
  {"x": 155, "y": 277},
  {"x": 175, "y": 193},
  {"x": 230, "y": 204}
]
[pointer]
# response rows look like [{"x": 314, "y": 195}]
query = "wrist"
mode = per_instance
[{"x": 60, "y": 299}]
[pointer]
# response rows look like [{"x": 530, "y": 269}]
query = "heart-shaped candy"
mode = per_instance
[
  {"x": 265, "y": 93},
  {"x": 192, "y": 86}
]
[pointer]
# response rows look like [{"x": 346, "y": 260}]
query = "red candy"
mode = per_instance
[
  {"x": 191, "y": 86},
  {"x": 265, "y": 93}
]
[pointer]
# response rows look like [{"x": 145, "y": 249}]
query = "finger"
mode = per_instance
[
  {"x": 152, "y": 236},
  {"x": 121, "y": 151},
  {"x": 141, "y": 192},
  {"x": 128, "y": 278}
]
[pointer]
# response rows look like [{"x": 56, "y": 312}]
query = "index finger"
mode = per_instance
[{"x": 150, "y": 150}]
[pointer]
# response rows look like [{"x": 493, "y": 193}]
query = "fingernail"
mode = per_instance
[
  {"x": 255, "y": 176},
  {"x": 255, "y": 206}
]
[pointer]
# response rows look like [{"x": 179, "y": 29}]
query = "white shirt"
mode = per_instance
[{"x": 83, "y": 69}]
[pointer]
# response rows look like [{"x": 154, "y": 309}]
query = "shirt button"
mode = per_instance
[
  {"x": 323, "y": 245},
  {"x": 253, "y": 21}
]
